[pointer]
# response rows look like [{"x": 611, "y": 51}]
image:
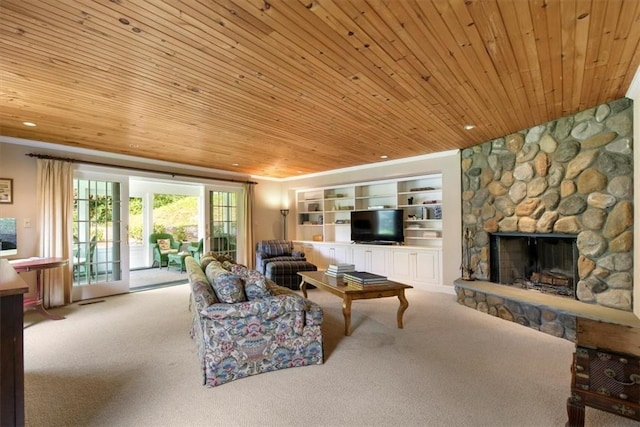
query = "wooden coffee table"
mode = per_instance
[{"x": 337, "y": 287}]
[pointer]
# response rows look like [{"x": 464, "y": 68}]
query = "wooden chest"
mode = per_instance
[
  {"x": 607, "y": 381},
  {"x": 605, "y": 371}
]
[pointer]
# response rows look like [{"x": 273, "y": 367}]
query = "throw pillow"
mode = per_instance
[
  {"x": 229, "y": 288},
  {"x": 164, "y": 244},
  {"x": 205, "y": 260},
  {"x": 245, "y": 273},
  {"x": 214, "y": 268},
  {"x": 256, "y": 289}
]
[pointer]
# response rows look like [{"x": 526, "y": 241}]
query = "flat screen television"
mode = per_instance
[{"x": 383, "y": 226}]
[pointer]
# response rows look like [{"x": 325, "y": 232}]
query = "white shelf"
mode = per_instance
[
  {"x": 380, "y": 196},
  {"x": 422, "y": 229},
  {"x": 408, "y": 193},
  {"x": 384, "y": 194}
]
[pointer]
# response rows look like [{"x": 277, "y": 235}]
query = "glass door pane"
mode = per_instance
[
  {"x": 99, "y": 238},
  {"x": 223, "y": 215}
]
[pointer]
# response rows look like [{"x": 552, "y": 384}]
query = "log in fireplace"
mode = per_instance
[{"x": 544, "y": 262}]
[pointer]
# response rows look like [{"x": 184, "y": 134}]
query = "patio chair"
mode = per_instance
[
  {"x": 83, "y": 263},
  {"x": 162, "y": 245},
  {"x": 196, "y": 249}
]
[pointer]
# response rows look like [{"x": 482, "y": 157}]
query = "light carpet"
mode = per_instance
[{"x": 129, "y": 361}]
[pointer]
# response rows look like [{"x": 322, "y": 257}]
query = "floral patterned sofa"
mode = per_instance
[{"x": 244, "y": 324}]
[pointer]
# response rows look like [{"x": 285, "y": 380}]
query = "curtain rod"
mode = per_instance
[{"x": 88, "y": 162}]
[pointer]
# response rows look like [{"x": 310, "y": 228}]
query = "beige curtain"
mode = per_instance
[
  {"x": 55, "y": 206},
  {"x": 248, "y": 225}
]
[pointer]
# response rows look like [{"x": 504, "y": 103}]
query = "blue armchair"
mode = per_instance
[{"x": 275, "y": 250}]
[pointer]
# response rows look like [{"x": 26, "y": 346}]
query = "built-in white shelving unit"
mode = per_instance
[{"x": 323, "y": 214}]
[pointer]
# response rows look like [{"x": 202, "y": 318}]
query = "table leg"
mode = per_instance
[
  {"x": 303, "y": 288},
  {"x": 403, "y": 306},
  {"x": 346, "y": 311},
  {"x": 38, "y": 304}
]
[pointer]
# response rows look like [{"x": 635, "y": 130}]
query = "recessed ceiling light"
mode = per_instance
[
  {"x": 384, "y": 157},
  {"x": 134, "y": 146},
  {"x": 29, "y": 124},
  {"x": 235, "y": 164},
  {"x": 469, "y": 127}
]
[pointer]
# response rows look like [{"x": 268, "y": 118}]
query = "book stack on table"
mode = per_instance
[
  {"x": 362, "y": 279},
  {"x": 338, "y": 270}
]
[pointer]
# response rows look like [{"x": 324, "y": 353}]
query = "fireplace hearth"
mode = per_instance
[{"x": 543, "y": 262}]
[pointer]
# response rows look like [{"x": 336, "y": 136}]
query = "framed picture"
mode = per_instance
[{"x": 6, "y": 190}]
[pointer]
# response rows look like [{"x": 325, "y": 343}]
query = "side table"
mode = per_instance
[
  {"x": 177, "y": 260},
  {"x": 38, "y": 264}
]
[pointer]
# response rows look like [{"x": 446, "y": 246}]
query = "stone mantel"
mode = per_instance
[{"x": 557, "y": 304}]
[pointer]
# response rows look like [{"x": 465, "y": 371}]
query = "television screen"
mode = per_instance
[
  {"x": 8, "y": 237},
  {"x": 377, "y": 226}
]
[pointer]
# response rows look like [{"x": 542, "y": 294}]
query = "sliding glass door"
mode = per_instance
[{"x": 100, "y": 260}]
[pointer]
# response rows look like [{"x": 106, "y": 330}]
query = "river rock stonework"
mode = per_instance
[{"x": 570, "y": 176}]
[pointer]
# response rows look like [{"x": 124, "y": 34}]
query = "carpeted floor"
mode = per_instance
[
  {"x": 129, "y": 361},
  {"x": 148, "y": 278}
]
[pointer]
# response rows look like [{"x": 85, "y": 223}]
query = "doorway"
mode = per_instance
[{"x": 158, "y": 206}]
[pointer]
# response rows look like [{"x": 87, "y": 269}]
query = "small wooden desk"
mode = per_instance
[
  {"x": 337, "y": 287},
  {"x": 38, "y": 264}
]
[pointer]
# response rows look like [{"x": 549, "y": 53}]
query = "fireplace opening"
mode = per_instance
[{"x": 544, "y": 262}]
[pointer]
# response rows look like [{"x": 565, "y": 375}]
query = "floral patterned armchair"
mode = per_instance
[{"x": 244, "y": 324}]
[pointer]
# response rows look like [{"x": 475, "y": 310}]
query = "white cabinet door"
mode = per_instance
[
  {"x": 427, "y": 268},
  {"x": 331, "y": 254},
  {"x": 415, "y": 266},
  {"x": 309, "y": 252},
  {"x": 370, "y": 259},
  {"x": 402, "y": 265}
]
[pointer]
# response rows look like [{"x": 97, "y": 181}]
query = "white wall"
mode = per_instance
[
  {"x": 16, "y": 165},
  {"x": 447, "y": 163}
]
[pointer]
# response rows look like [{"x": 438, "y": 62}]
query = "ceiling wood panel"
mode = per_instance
[{"x": 289, "y": 87}]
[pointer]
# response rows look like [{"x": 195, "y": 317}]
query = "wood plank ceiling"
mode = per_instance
[{"x": 280, "y": 88}]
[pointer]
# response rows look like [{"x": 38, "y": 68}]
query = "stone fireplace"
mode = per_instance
[
  {"x": 569, "y": 180},
  {"x": 544, "y": 262}
]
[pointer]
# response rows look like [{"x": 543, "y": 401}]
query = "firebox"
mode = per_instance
[{"x": 544, "y": 262}]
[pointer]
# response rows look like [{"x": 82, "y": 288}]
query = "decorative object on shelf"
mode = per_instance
[
  {"x": 317, "y": 237},
  {"x": 467, "y": 244},
  {"x": 320, "y": 219},
  {"x": 410, "y": 200},
  {"x": 437, "y": 212},
  {"x": 6, "y": 190},
  {"x": 422, "y": 189},
  {"x": 284, "y": 213},
  {"x": 314, "y": 207}
]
